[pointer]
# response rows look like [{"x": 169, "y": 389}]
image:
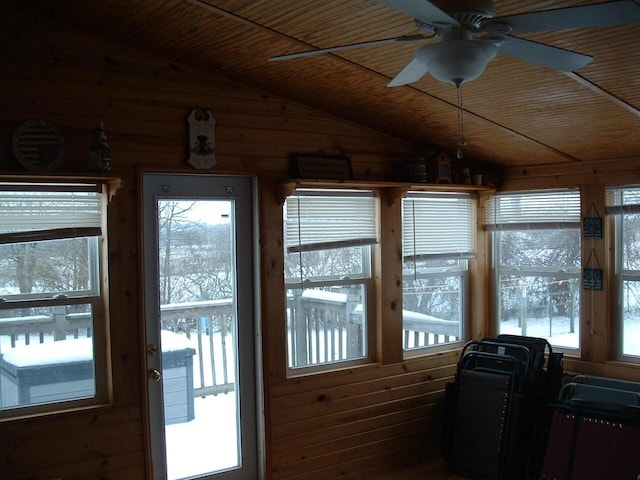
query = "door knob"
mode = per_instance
[{"x": 154, "y": 375}]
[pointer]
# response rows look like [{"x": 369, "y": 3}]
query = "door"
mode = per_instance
[{"x": 198, "y": 274}]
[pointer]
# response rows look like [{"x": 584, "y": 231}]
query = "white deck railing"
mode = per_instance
[{"x": 320, "y": 328}]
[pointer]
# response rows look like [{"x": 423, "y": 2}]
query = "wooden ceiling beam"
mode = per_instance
[{"x": 602, "y": 92}]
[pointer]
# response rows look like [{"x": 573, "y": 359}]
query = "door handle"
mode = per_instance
[{"x": 154, "y": 375}]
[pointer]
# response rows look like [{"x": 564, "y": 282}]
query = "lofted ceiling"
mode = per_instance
[{"x": 515, "y": 114}]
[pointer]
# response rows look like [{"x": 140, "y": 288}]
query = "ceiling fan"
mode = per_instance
[{"x": 471, "y": 36}]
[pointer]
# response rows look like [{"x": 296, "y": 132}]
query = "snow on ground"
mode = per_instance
[
  {"x": 559, "y": 334},
  {"x": 208, "y": 443}
]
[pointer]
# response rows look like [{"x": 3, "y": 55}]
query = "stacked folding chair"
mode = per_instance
[
  {"x": 490, "y": 409},
  {"x": 591, "y": 432}
]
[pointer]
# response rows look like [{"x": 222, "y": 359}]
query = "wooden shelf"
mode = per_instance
[{"x": 398, "y": 188}]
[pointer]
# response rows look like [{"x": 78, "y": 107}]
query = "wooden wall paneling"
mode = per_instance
[
  {"x": 124, "y": 293},
  {"x": 348, "y": 376},
  {"x": 287, "y": 442},
  {"x": 73, "y": 445},
  {"x": 481, "y": 319},
  {"x": 358, "y": 410},
  {"x": 273, "y": 309},
  {"x": 357, "y": 396},
  {"x": 622, "y": 171},
  {"x": 388, "y": 278},
  {"x": 614, "y": 369},
  {"x": 594, "y": 311}
]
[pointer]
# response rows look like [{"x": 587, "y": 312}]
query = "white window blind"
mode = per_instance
[
  {"x": 437, "y": 226},
  {"x": 35, "y": 212},
  {"x": 621, "y": 200},
  {"x": 321, "y": 220},
  {"x": 540, "y": 210}
]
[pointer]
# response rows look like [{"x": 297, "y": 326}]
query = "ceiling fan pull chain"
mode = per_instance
[{"x": 461, "y": 140}]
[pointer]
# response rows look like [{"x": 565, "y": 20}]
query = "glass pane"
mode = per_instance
[
  {"x": 46, "y": 355},
  {"x": 432, "y": 303},
  {"x": 539, "y": 284},
  {"x": 326, "y": 325},
  {"x": 631, "y": 318},
  {"x": 46, "y": 268},
  {"x": 631, "y": 242},
  {"x": 541, "y": 306},
  {"x": 630, "y": 288},
  {"x": 327, "y": 264},
  {"x": 553, "y": 249},
  {"x": 198, "y": 337}
]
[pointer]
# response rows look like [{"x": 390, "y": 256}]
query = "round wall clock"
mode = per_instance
[{"x": 38, "y": 145}]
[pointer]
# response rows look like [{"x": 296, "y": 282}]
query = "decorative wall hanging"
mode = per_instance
[
  {"x": 415, "y": 170},
  {"x": 592, "y": 224},
  {"x": 321, "y": 167},
  {"x": 443, "y": 168},
  {"x": 592, "y": 277},
  {"x": 202, "y": 139},
  {"x": 38, "y": 145},
  {"x": 99, "y": 152}
]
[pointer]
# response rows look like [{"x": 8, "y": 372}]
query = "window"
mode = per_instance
[
  {"x": 52, "y": 329},
  {"x": 624, "y": 204},
  {"x": 537, "y": 263},
  {"x": 437, "y": 242},
  {"x": 328, "y": 239}
]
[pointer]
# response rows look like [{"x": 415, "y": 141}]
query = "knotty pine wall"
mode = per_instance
[{"x": 350, "y": 424}]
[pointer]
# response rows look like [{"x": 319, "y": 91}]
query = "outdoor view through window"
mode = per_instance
[{"x": 51, "y": 310}]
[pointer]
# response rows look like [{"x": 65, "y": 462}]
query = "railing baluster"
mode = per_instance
[
  {"x": 200, "y": 355},
  {"x": 224, "y": 330},
  {"x": 214, "y": 374}
]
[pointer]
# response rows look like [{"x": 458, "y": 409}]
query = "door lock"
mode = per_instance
[{"x": 154, "y": 375}]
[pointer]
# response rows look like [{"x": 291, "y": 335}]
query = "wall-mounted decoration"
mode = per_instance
[
  {"x": 592, "y": 224},
  {"x": 415, "y": 170},
  {"x": 443, "y": 168},
  {"x": 38, "y": 145},
  {"x": 99, "y": 151},
  {"x": 202, "y": 139},
  {"x": 592, "y": 278},
  {"x": 322, "y": 167}
]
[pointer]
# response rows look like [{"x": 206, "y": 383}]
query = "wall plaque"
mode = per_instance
[{"x": 326, "y": 167}]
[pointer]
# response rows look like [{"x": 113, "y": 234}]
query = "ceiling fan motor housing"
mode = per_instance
[{"x": 468, "y": 13}]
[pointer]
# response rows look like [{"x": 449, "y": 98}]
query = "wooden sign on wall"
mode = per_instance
[
  {"x": 202, "y": 140},
  {"x": 325, "y": 167}
]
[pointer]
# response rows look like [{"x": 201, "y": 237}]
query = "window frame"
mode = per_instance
[
  {"x": 97, "y": 297},
  {"x": 530, "y": 222},
  {"x": 365, "y": 278},
  {"x": 459, "y": 255},
  {"x": 616, "y": 211}
]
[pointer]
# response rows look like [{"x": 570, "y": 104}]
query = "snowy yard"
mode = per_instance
[
  {"x": 207, "y": 443},
  {"x": 559, "y": 334}
]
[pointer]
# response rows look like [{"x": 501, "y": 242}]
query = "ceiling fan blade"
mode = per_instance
[
  {"x": 420, "y": 10},
  {"x": 597, "y": 15},
  {"x": 541, "y": 54},
  {"x": 413, "y": 72},
  {"x": 407, "y": 38}
]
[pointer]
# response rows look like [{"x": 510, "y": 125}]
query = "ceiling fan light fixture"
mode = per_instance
[{"x": 458, "y": 61}]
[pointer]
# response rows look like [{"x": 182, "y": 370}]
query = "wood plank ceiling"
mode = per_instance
[{"x": 515, "y": 114}]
